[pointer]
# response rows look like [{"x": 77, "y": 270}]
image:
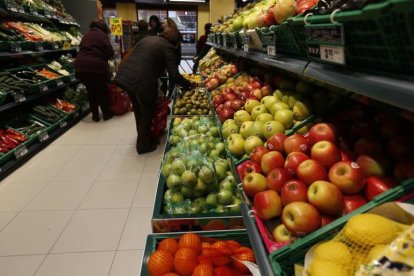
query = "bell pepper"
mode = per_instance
[{"x": 248, "y": 167}]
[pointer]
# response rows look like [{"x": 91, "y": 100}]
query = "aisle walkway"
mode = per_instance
[{"x": 82, "y": 206}]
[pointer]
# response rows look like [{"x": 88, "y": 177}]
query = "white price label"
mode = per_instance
[
  {"x": 59, "y": 82},
  {"x": 44, "y": 136},
  {"x": 21, "y": 10},
  {"x": 13, "y": 9},
  {"x": 235, "y": 46},
  {"x": 35, "y": 13},
  {"x": 63, "y": 124},
  {"x": 20, "y": 151},
  {"x": 43, "y": 88},
  {"x": 271, "y": 50},
  {"x": 18, "y": 98},
  {"x": 334, "y": 54},
  {"x": 246, "y": 47},
  {"x": 72, "y": 78}
]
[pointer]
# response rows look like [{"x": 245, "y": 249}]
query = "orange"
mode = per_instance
[
  {"x": 224, "y": 271},
  {"x": 205, "y": 245},
  {"x": 233, "y": 244},
  {"x": 243, "y": 257},
  {"x": 222, "y": 247},
  {"x": 171, "y": 274},
  {"x": 169, "y": 244},
  {"x": 221, "y": 260},
  {"x": 243, "y": 249},
  {"x": 203, "y": 270},
  {"x": 160, "y": 262},
  {"x": 185, "y": 260},
  {"x": 190, "y": 240}
]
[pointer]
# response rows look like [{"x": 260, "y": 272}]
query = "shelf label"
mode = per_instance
[
  {"x": 15, "y": 47},
  {"x": 333, "y": 54},
  {"x": 72, "y": 78},
  {"x": 63, "y": 124},
  {"x": 235, "y": 46},
  {"x": 55, "y": 45},
  {"x": 20, "y": 151},
  {"x": 59, "y": 82},
  {"x": 246, "y": 47},
  {"x": 43, "y": 88},
  {"x": 13, "y": 9},
  {"x": 271, "y": 50},
  {"x": 19, "y": 97},
  {"x": 44, "y": 136},
  {"x": 39, "y": 46}
]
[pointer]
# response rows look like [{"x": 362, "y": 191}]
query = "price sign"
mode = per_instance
[
  {"x": 19, "y": 97},
  {"x": 271, "y": 50},
  {"x": 63, "y": 124},
  {"x": 15, "y": 47},
  {"x": 39, "y": 46},
  {"x": 116, "y": 25},
  {"x": 59, "y": 82},
  {"x": 43, "y": 88},
  {"x": 20, "y": 151},
  {"x": 44, "y": 136}
]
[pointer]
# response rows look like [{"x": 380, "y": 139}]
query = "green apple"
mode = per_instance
[
  {"x": 272, "y": 127},
  {"x": 168, "y": 194},
  {"x": 264, "y": 117},
  {"x": 225, "y": 197},
  {"x": 235, "y": 144},
  {"x": 214, "y": 154},
  {"x": 268, "y": 101},
  {"x": 229, "y": 130},
  {"x": 220, "y": 209},
  {"x": 258, "y": 110},
  {"x": 192, "y": 132},
  {"x": 242, "y": 116},
  {"x": 214, "y": 131},
  {"x": 202, "y": 129},
  {"x": 206, "y": 174},
  {"x": 250, "y": 104},
  {"x": 229, "y": 122},
  {"x": 188, "y": 178},
  {"x": 300, "y": 111},
  {"x": 177, "y": 121},
  {"x": 174, "y": 140},
  {"x": 278, "y": 94},
  {"x": 245, "y": 129},
  {"x": 173, "y": 181},
  {"x": 166, "y": 169},
  {"x": 228, "y": 185},
  {"x": 200, "y": 201},
  {"x": 278, "y": 106},
  {"x": 220, "y": 147},
  {"x": 221, "y": 166},
  {"x": 237, "y": 23},
  {"x": 204, "y": 148},
  {"x": 178, "y": 166},
  {"x": 182, "y": 133},
  {"x": 176, "y": 197},
  {"x": 186, "y": 125},
  {"x": 195, "y": 209},
  {"x": 252, "y": 142},
  {"x": 285, "y": 116},
  {"x": 257, "y": 129}
]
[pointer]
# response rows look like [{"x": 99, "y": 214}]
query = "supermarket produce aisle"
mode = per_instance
[{"x": 82, "y": 206}]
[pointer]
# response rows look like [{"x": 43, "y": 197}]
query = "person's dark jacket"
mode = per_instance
[
  {"x": 94, "y": 52},
  {"x": 148, "y": 60},
  {"x": 139, "y": 35},
  {"x": 201, "y": 43}
]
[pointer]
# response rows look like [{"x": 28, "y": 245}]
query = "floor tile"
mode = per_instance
[
  {"x": 127, "y": 263},
  {"x": 92, "y": 230},
  {"x": 110, "y": 194},
  {"x": 122, "y": 170},
  {"x": 130, "y": 137},
  {"x": 77, "y": 264},
  {"x": 106, "y": 136},
  {"x": 20, "y": 265},
  {"x": 145, "y": 196},
  {"x": 151, "y": 168},
  {"x": 5, "y": 218},
  {"x": 32, "y": 233},
  {"x": 126, "y": 152},
  {"x": 136, "y": 230},
  {"x": 94, "y": 152},
  {"x": 14, "y": 196},
  {"x": 37, "y": 171},
  {"x": 60, "y": 151},
  {"x": 66, "y": 195},
  {"x": 80, "y": 170},
  {"x": 75, "y": 137}
]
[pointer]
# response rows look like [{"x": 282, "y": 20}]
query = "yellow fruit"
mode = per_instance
[
  {"x": 321, "y": 267},
  {"x": 335, "y": 252},
  {"x": 375, "y": 252},
  {"x": 370, "y": 230}
]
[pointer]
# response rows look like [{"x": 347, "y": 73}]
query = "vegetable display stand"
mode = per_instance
[
  {"x": 284, "y": 259},
  {"x": 54, "y": 78},
  {"x": 38, "y": 84}
]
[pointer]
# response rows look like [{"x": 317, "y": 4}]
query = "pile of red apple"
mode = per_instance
[
  {"x": 309, "y": 180},
  {"x": 220, "y": 76}
]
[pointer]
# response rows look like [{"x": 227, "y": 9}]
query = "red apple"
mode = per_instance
[
  {"x": 348, "y": 176},
  {"x": 322, "y": 132},
  {"x": 367, "y": 146},
  {"x": 270, "y": 17},
  {"x": 353, "y": 202},
  {"x": 275, "y": 142},
  {"x": 326, "y": 220},
  {"x": 276, "y": 178},
  {"x": 225, "y": 113},
  {"x": 271, "y": 160},
  {"x": 376, "y": 185},
  {"x": 256, "y": 84},
  {"x": 233, "y": 70},
  {"x": 326, "y": 152},
  {"x": 212, "y": 84},
  {"x": 369, "y": 165},
  {"x": 267, "y": 204},
  {"x": 248, "y": 167},
  {"x": 219, "y": 108},
  {"x": 310, "y": 171},
  {"x": 257, "y": 153},
  {"x": 227, "y": 104},
  {"x": 301, "y": 218},
  {"x": 281, "y": 234},
  {"x": 326, "y": 197},
  {"x": 257, "y": 93},
  {"x": 294, "y": 190},
  {"x": 229, "y": 96},
  {"x": 266, "y": 90},
  {"x": 217, "y": 100},
  {"x": 346, "y": 155},
  {"x": 296, "y": 143},
  {"x": 236, "y": 104},
  {"x": 254, "y": 183},
  {"x": 293, "y": 160}
]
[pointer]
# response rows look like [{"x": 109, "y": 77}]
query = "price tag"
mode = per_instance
[
  {"x": 235, "y": 46},
  {"x": 20, "y": 151},
  {"x": 63, "y": 124},
  {"x": 246, "y": 47},
  {"x": 20, "y": 97},
  {"x": 44, "y": 136},
  {"x": 271, "y": 50},
  {"x": 72, "y": 78},
  {"x": 60, "y": 82},
  {"x": 39, "y": 46},
  {"x": 333, "y": 54},
  {"x": 224, "y": 42},
  {"x": 77, "y": 48},
  {"x": 115, "y": 24},
  {"x": 55, "y": 46},
  {"x": 15, "y": 47},
  {"x": 43, "y": 88},
  {"x": 13, "y": 9}
]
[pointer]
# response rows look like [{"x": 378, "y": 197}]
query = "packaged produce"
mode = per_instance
[
  {"x": 28, "y": 76},
  {"x": 48, "y": 114},
  {"x": 47, "y": 73},
  {"x": 65, "y": 106},
  {"x": 27, "y": 125},
  {"x": 10, "y": 139},
  {"x": 12, "y": 84}
]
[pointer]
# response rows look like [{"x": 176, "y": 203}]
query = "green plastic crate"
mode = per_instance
[
  {"x": 35, "y": 88},
  {"x": 284, "y": 259},
  {"x": 153, "y": 241},
  {"x": 286, "y": 41}
]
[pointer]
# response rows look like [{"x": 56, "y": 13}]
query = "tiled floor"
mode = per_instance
[{"x": 82, "y": 206}]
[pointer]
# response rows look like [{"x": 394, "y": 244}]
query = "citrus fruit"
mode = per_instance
[
  {"x": 222, "y": 247},
  {"x": 190, "y": 240},
  {"x": 326, "y": 268},
  {"x": 185, "y": 260},
  {"x": 376, "y": 252},
  {"x": 233, "y": 244},
  {"x": 221, "y": 260},
  {"x": 203, "y": 270},
  {"x": 224, "y": 271},
  {"x": 335, "y": 252},
  {"x": 169, "y": 244},
  {"x": 249, "y": 257},
  {"x": 160, "y": 262},
  {"x": 171, "y": 274},
  {"x": 205, "y": 245}
]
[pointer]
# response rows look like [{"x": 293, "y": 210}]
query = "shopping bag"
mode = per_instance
[{"x": 120, "y": 103}]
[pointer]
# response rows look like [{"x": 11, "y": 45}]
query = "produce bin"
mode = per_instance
[
  {"x": 284, "y": 259},
  {"x": 237, "y": 44},
  {"x": 153, "y": 240},
  {"x": 34, "y": 137},
  {"x": 55, "y": 82},
  {"x": 4, "y": 157},
  {"x": 178, "y": 96},
  {"x": 42, "y": 86}
]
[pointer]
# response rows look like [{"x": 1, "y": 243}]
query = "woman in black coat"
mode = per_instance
[{"x": 138, "y": 76}]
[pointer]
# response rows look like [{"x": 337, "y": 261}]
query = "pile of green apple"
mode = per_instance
[
  {"x": 184, "y": 128},
  {"x": 194, "y": 102},
  {"x": 198, "y": 184},
  {"x": 260, "y": 120}
]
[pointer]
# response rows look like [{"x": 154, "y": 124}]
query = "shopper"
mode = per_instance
[
  {"x": 142, "y": 31},
  {"x": 201, "y": 47},
  {"x": 155, "y": 25},
  {"x": 138, "y": 77},
  {"x": 92, "y": 68}
]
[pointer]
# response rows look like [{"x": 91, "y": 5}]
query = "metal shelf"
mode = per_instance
[
  {"x": 34, "y": 53},
  {"x": 393, "y": 90}
]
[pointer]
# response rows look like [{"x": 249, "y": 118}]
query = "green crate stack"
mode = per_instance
[{"x": 286, "y": 41}]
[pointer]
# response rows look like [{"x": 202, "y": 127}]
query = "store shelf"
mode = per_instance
[
  {"x": 12, "y": 105},
  {"x": 34, "y": 53},
  {"x": 296, "y": 66},
  {"x": 395, "y": 91},
  {"x": 13, "y": 164}
]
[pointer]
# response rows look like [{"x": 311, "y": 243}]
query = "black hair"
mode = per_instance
[
  {"x": 207, "y": 28},
  {"x": 156, "y": 19},
  {"x": 99, "y": 24}
]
